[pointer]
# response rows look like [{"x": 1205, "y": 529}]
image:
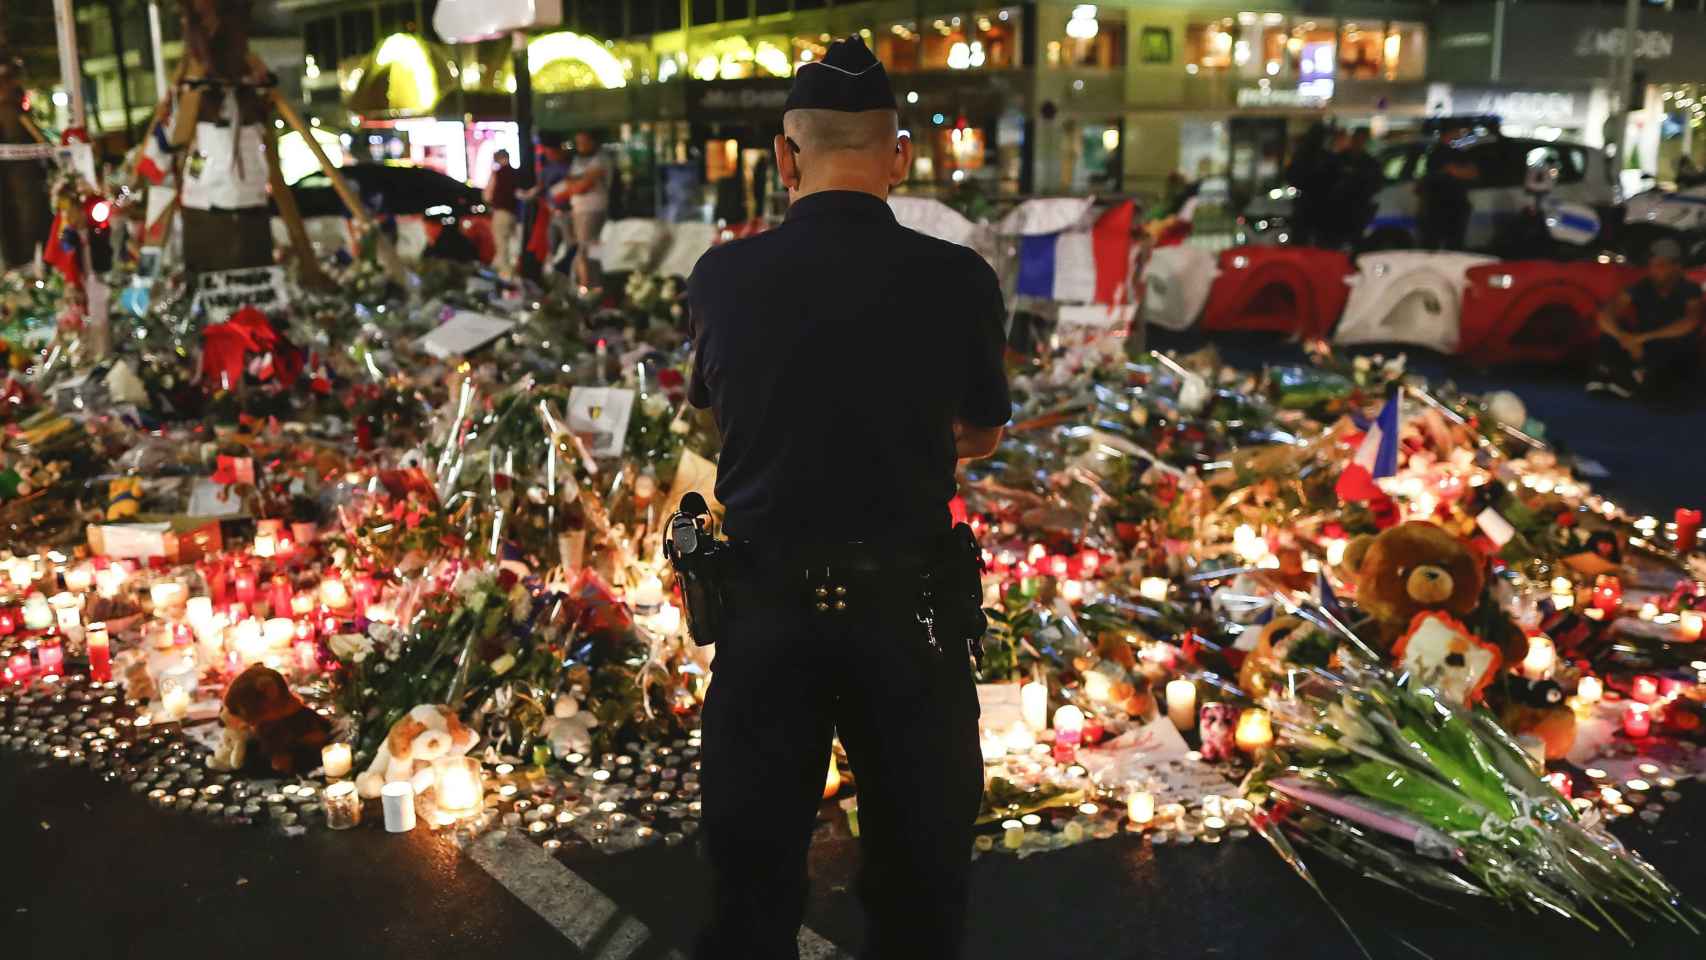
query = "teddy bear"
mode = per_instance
[
  {"x": 1425, "y": 591},
  {"x": 569, "y": 729},
  {"x": 124, "y": 498},
  {"x": 260, "y": 707},
  {"x": 422, "y": 735}
]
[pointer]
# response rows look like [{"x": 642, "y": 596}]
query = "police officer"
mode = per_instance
[{"x": 850, "y": 363}]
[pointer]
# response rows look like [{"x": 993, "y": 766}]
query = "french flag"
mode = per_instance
[
  {"x": 1080, "y": 266},
  {"x": 1375, "y": 459},
  {"x": 156, "y": 160}
]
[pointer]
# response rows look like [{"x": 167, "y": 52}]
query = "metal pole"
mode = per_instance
[
  {"x": 70, "y": 70},
  {"x": 1623, "y": 78},
  {"x": 117, "y": 20},
  {"x": 155, "y": 45},
  {"x": 524, "y": 146}
]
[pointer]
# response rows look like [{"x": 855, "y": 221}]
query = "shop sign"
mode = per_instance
[
  {"x": 1649, "y": 44},
  {"x": 1463, "y": 41},
  {"x": 1281, "y": 98},
  {"x": 1555, "y": 108},
  {"x": 743, "y": 98}
]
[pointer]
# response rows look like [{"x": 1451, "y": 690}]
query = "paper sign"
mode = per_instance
[
  {"x": 79, "y": 157},
  {"x": 465, "y": 331},
  {"x": 694, "y": 474},
  {"x": 130, "y": 541},
  {"x": 210, "y": 498},
  {"x": 223, "y": 292},
  {"x": 1495, "y": 526},
  {"x": 998, "y": 706},
  {"x": 600, "y": 416}
]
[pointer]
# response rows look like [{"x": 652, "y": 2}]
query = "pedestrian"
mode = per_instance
[
  {"x": 1650, "y": 343},
  {"x": 1360, "y": 180},
  {"x": 501, "y": 196},
  {"x": 1444, "y": 207},
  {"x": 1313, "y": 172},
  {"x": 853, "y": 602},
  {"x": 586, "y": 190}
]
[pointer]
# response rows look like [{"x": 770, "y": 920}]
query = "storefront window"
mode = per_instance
[
  {"x": 1258, "y": 48},
  {"x": 1405, "y": 51},
  {"x": 946, "y": 45},
  {"x": 735, "y": 58},
  {"x": 1208, "y": 46},
  {"x": 807, "y": 49},
  {"x": 1361, "y": 46},
  {"x": 1311, "y": 51},
  {"x": 997, "y": 31},
  {"x": 897, "y": 47},
  {"x": 1093, "y": 41}
]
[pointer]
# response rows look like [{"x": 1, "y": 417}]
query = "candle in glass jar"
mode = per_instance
[
  {"x": 1644, "y": 688},
  {"x": 168, "y": 595},
  {"x": 398, "y": 800},
  {"x": 457, "y": 787},
  {"x": 8, "y": 622},
  {"x": 175, "y": 702},
  {"x": 109, "y": 580},
  {"x": 51, "y": 656},
  {"x": 1140, "y": 806},
  {"x": 1033, "y": 705},
  {"x": 1589, "y": 689},
  {"x": 307, "y": 659},
  {"x": 20, "y": 665},
  {"x": 1541, "y": 659},
  {"x": 1182, "y": 703},
  {"x": 198, "y": 611},
  {"x": 279, "y": 632},
  {"x": 1154, "y": 589},
  {"x": 302, "y": 604},
  {"x": 37, "y": 614},
  {"x": 1608, "y": 594},
  {"x": 1068, "y": 733},
  {"x": 100, "y": 652},
  {"x": 343, "y": 805},
  {"x": 1563, "y": 593},
  {"x": 67, "y": 611},
  {"x": 1637, "y": 720},
  {"x": 246, "y": 639},
  {"x": 1255, "y": 730},
  {"x": 266, "y": 543},
  {"x": 1690, "y": 624},
  {"x": 333, "y": 593},
  {"x": 281, "y": 596},
  {"x": 243, "y": 584},
  {"x": 336, "y": 759},
  {"x": 79, "y": 579},
  {"x": 22, "y": 573}
]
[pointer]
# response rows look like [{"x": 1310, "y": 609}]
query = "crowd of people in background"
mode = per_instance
[
  {"x": 568, "y": 202},
  {"x": 1336, "y": 179}
]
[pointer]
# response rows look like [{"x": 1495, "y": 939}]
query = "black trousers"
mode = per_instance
[
  {"x": 1443, "y": 227},
  {"x": 1665, "y": 367},
  {"x": 786, "y": 678}
]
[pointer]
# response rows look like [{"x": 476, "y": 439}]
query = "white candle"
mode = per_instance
[
  {"x": 37, "y": 614},
  {"x": 336, "y": 758},
  {"x": 79, "y": 579},
  {"x": 398, "y": 799},
  {"x": 1140, "y": 806},
  {"x": 457, "y": 786},
  {"x": 1563, "y": 593},
  {"x": 167, "y": 595},
  {"x": 1068, "y": 724},
  {"x": 67, "y": 611},
  {"x": 647, "y": 593},
  {"x": 175, "y": 702},
  {"x": 1589, "y": 689},
  {"x": 266, "y": 543},
  {"x": 334, "y": 594},
  {"x": 247, "y": 640},
  {"x": 279, "y": 631},
  {"x": 22, "y": 573},
  {"x": 1154, "y": 589},
  {"x": 1033, "y": 704},
  {"x": 110, "y": 580},
  {"x": 1182, "y": 703},
  {"x": 1542, "y": 657},
  {"x": 1019, "y": 737},
  {"x": 199, "y": 612}
]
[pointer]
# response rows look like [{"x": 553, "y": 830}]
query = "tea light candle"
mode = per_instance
[
  {"x": 343, "y": 805},
  {"x": 1154, "y": 589},
  {"x": 398, "y": 800},
  {"x": 51, "y": 656},
  {"x": 336, "y": 759},
  {"x": 1140, "y": 806},
  {"x": 100, "y": 652},
  {"x": 1637, "y": 720},
  {"x": 1690, "y": 623},
  {"x": 457, "y": 787},
  {"x": 1589, "y": 689},
  {"x": 1033, "y": 704},
  {"x": 1644, "y": 688},
  {"x": 1255, "y": 730},
  {"x": 1541, "y": 659},
  {"x": 79, "y": 579},
  {"x": 1182, "y": 703},
  {"x": 37, "y": 614}
]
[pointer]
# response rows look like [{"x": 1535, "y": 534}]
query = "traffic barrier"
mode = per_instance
[
  {"x": 1285, "y": 289},
  {"x": 1536, "y": 311},
  {"x": 1407, "y": 296}
]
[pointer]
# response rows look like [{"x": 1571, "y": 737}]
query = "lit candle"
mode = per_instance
[
  {"x": 22, "y": 573},
  {"x": 1690, "y": 623},
  {"x": 168, "y": 595},
  {"x": 1033, "y": 704},
  {"x": 1140, "y": 806},
  {"x": 247, "y": 640},
  {"x": 1541, "y": 659},
  {"x": 306, "y": 658},
  {"x": 281, "y": 596},
  {"x": 1089, "y": 561},
  {"x": 266, "y": 543},
  {"x": 8, "y": 622},
  {"x": 279, "y": 631},
  {"x": 457, "y": 787},
  {"x": 37, "y": 614},
  {"x": 1637, "y": 720},
  {"x": 1560, "y": 781},
  {"x": 243, "y": 582},
  {"x": 1097, "y": 686},
  {"x": 1644, "y": 688},
  {"x": 1687, "y": 529},
  {"x": 109, "y": 580},
  {"x": 832, "y": 779},
  {"x": 302, "y": 604},
  {"x": 336, "y": 759},
  {"x": 20, "y": 665},
  {"x": 100, "y": 652},
  {"x": 366, "y": 590},
  {"x": 1589, "y": 689},
  {"x": 1154, "y": 589},
  {"x": 1255, "y": 730},
  {"x": 1182, "y": 703},
  {"x": 1071, "y": 591},
  {"x": 1068, "y": 732},
  {"x": 1018, "y": 737},
  {"x": 1648, "y": 611},
  {"x": 51, "y": 656},
  {"x": 1608, "y": 594},
  {"x": 343, "y": 805},
  {"x": 199, "y": 612},
  {"x": 78, "y": 579},
  {"x": 174, "y": 701},
  {"x": 398, "y": 799},
  {"x": 67, "y": 611},
  {"x": 1563, "y": 593},
  {"x": 646, "y": 594},
  {"x": 333, "y": 593}
]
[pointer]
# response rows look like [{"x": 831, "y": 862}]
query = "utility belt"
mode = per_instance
[{"x": 942, "y": 576}]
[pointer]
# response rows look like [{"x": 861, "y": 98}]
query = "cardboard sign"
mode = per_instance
[
  {"x": 465, "y": 331},
  {"x": 210, "y": 498},
  {"x": 222, "y": 293},
  {"x": 129, "y": 541},
  {"x": 694, "y": 474},
  {"x": 79, "y": 157},
  {"x": 600, "y": 416}
]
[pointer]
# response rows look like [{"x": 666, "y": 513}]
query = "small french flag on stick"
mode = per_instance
[
  {"x": 156, "y": 160},
  {"x": 1375, "y": 459}
]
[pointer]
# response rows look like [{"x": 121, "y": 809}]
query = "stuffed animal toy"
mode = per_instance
[
  {"x": 233, "y": 749},
  {"x": 1410, "y": 569},
  {"x": 424, "y": 734},
  {"x": 569, "y": 729},
  {"x": 259, "y": 706},
  {"x": 124, "y": 497}
]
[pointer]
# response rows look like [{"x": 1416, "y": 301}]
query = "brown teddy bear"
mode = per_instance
[
  {"x": 259, "y": 706},
  {"x": 1409, "y": 569}
]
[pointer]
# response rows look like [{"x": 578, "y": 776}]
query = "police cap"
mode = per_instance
[{"x": 849, "y": 78}]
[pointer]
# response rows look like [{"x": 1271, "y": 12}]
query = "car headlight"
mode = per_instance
[
  {"x": 1261, "y": 224},
  {"x": 1501, "y": 281}
]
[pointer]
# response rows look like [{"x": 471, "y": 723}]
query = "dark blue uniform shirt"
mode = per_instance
[{"x": 836, "y": 351}]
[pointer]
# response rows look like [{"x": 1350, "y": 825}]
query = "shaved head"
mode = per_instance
[{"x": 833, "y": 131}]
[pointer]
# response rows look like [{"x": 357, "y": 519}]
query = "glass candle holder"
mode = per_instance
[
  {"x": 343, "y": 805},
  {"x": 457, "y": 787}
]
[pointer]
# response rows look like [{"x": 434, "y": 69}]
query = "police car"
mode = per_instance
[
  {"x": 1585, "y": 181},
  {"x": 1677, "y": 214}
]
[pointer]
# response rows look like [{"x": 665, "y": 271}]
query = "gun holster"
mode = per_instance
[
  {"x": 701, "y": 565},
  {"x": 963, "y": 568}
]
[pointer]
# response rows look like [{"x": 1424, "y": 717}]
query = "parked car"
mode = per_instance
[
  {"x": 416, "y": 198},
  {"x": 1585, "y": 178},
  {"x": 1677, "y": 214}
]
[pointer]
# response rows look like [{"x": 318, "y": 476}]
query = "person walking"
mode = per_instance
[
  {"x": 501, "y": 195},
  {"x": 1443, "y": 192},
  {"x": 853, "y": 604},
  {"x": 587, "y": 192},
  {"x": 1313, "y": 173},
  {"x": 1360, "y": 179},
  {"x": 1650, "y": 334}
]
